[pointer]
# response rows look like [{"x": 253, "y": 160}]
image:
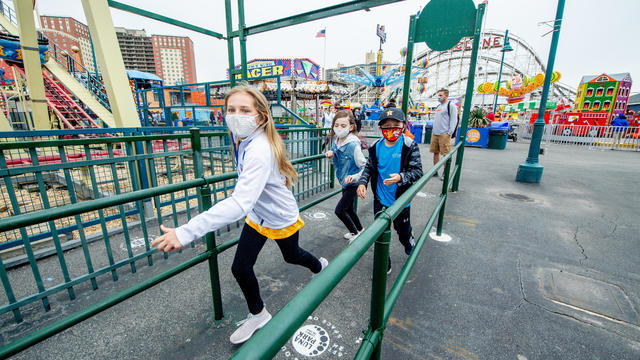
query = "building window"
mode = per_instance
[
  {"x": 589, "y": 92},
  {"x": 606, "y": 105},
  {"x": 610, "y": 91},
  {"x": 596, "y": 106},
  {"x": 585, "y": 105},
  {"x": 600, "y": 91}
]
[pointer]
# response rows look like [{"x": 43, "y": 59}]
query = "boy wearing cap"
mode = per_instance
[{"x": 394, "y": 165}]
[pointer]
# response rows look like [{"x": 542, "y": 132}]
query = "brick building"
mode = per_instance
[
  {"x": 174, "y": 59},
  {"x": 67, "y": 32},
  {"x": 170, "y": 57}
]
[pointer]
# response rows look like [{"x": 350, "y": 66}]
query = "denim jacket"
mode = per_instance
[{"x": 348, "y": 159}]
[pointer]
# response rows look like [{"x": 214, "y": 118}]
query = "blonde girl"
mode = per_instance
[{"x": 261, "y": 196}]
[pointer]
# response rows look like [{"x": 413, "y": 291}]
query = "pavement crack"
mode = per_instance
[
  {"x": 615, "y": 225},
  {"x": 524, "y": 298},
  {"x": 575, "y": 238},
  {"x": 583, "y": 321}
]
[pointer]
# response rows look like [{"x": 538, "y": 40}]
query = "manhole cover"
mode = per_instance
[{"x": 516, "y": 197}]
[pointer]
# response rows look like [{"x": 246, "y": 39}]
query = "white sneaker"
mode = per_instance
[
  {"x": 348, "y": 235},
  {"x": 324, "y": 262},
  {"x": 353, "y": 237},
  {"x": 249, "y": 326}
]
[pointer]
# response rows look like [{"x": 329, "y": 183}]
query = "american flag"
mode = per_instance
[{"x": 322, "y": 33}]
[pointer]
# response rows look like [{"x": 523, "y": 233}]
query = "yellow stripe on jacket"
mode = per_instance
[{"x": 276, "y": 234}]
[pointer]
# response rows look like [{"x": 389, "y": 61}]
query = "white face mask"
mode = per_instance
[
  {"x": 241, "y": 126},
  {"x": 340, "y": 132},
  {"x": 441, "y": 99}
]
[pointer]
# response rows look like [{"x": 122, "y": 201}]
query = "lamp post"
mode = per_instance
[
  {"x": 531, "y": 170},
  {"x": 505, "y": 48}
]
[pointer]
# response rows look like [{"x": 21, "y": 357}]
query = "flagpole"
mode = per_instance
[{"x": 324, "y": 65}]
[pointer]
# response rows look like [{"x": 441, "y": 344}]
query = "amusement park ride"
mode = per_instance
[
  {"x": 67, "y": 112},
  {"x": 384, "y": 78}
]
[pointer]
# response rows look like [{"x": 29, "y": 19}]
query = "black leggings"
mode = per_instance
[
  {"x": 251, "y": 242},
  {"x": 345, "y": 212},
  {"x": 402, "y": 224}
]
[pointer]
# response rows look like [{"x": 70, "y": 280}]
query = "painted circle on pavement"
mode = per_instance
[{"x": 310, "y": 340}]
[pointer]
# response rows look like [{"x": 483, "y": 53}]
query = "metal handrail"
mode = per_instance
[{"x": 267, "y": 343}]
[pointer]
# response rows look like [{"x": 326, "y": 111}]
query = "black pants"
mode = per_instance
[
  {"x": 344, "y": 210},
  {"x": 402, "y": 224},
  {"x": 249, "y": 246}
]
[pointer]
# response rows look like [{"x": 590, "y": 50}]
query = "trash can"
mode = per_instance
[{"x": 498, "y": 135}]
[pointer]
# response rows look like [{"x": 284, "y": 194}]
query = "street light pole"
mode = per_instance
[
  {"x": 531, "y": 170},
  {"x": 505, "y": 48}
]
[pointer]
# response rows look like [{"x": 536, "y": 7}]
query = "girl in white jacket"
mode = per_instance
[{"x": 261, "y": 196}]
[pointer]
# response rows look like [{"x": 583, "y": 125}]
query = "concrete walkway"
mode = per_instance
[{"x": 546, "y": 271}]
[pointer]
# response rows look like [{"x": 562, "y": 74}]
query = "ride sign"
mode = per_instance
[{"x": 381, "y": 34}]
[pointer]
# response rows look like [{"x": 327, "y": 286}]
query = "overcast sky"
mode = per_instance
[{"x": 596, "y": 37}]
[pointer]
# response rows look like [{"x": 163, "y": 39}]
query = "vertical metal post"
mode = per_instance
[
  {"x": 204, "y": 199},
  {"x": 332, "y": 176},
  {"x": 445, "y": 190},
  {"x": 495, "y": 103},
  {"x": 93, "y": 55},
  {"x": 108, "y": 52},
  {"x": 229, "y": 20},
  {"x": 279, "y": 91},
  {"x": 462, "y": 131},
  {"x": 407, "y": 66},
  {"x": 32, "y": 65},
  {"x": 379, "y": 285},
  {"x": 531, "y": 170},
  {"x": 243, "y": 40}
]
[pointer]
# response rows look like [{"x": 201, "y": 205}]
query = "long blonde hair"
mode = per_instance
[{"x": 277, "y": 146}]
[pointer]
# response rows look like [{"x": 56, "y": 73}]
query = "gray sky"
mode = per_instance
[{"x": 596, "y": 36}]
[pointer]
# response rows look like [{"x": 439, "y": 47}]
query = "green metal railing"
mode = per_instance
[
  {"x": 50, "y": 172},
  {"x": 203, "y": 184},
  {"x": 267, "y": 342}
]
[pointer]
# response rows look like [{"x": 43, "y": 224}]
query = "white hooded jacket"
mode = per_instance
[{"x": 260, "y": 193}]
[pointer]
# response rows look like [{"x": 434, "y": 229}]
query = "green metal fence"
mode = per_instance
[
  {"x": 267, "y": 342},
  {"x": 51, "y": 172},
  {"x": 108, "y": 176}
]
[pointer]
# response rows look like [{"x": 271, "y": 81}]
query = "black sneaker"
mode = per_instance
[{"x": 435, "y": 174}]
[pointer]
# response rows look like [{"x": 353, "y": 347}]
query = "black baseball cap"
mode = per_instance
[{"x": 392, "y": 113}]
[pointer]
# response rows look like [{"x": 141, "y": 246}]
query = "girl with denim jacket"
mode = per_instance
[{"x": 349, "y": 161}]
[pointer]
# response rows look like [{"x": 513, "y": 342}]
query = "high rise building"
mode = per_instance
[
  {"x": 67, "y": 32},
  {"x": 137, "y": 50},
  {"x": 370, "y": 57},
  {"x": 174, "y": 59},
  {"x": 170, "y": 57}
]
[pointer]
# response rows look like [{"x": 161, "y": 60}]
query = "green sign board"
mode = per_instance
[{"x": 442, "y": 23}]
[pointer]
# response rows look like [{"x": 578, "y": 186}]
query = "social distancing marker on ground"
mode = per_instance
[
  {"x": 313, "y": 339},
  {"x": 315, "y": 215},
  {"x": 440, "y": 238}
]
